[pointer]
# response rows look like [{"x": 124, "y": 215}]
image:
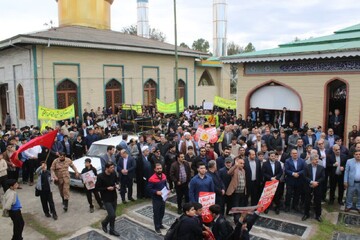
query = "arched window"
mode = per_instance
[
  {"x": 113, "y": 93},
  {"x": 182, "y": 90},
  {"x": 206, "y": 79},
  {"x": 150, "y": 89},
  {"x": 21, "y": 102},
  {"x": 67, "y": 95}
]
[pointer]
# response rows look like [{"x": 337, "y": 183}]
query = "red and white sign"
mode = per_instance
[
  {"x": 205, "y": 135},
  {"x": 206, "y": 199},
  {"x": 267, "y": 195}
]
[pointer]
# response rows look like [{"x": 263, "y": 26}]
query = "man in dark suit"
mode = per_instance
[
  {"x": 271, "y": 170},
  {"x": 294, "y": 171},
  {"x": 314, "y": 176},
  {"x": 309, "y": 138},
  {"x": 253, "y": 178},
  {"x": 218, "y": 183},
  {"x": 143, "y": 172},
  {"x": 336, "y": 162},
  {"x": 126, "y": 168},
  {"x": 226, "y": 179},
  {"x": 337, "y": 123}
]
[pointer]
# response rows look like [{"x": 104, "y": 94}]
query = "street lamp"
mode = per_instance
[{"x": 176, "y": 64}]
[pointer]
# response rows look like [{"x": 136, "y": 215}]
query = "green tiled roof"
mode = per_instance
[{"x": 347, "y": 39}]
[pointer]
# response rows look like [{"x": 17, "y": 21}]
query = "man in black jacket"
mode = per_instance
[
  {"x": 180, "y": 174},
  {"x": 314, "y": 176},
  {"x": 106, "y": 183},
  {"x": 271, "y": 170},
  {"x": 88, "y": 167},
  {"x": 226, "y": 179},
  {"x": 221, "y": 228},
  {"x": 336, "y": 162},
  {"x": 218, "y": 184},
  {"x": 253, "y": 178}
]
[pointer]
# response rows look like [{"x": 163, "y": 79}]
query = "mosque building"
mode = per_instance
[{"x": 86, "y": 63}]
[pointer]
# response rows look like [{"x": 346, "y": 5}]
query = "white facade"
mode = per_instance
[{"x": 16, "y": 67}]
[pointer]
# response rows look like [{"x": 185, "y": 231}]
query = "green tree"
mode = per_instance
[
  {"x": 201, "y": 45},
  {"x": 154, "y": 34},
  {"x": 233, "y": 48},
  {"x": 249, "y": 48},
  {"x": 184, "y": 45}
]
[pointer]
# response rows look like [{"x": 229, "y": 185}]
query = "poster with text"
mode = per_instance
[
  {"x": 267, "y": 195},
  {"x": 206, "y": 199}
]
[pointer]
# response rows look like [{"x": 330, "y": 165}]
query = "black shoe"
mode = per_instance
[
  {"x": 48, "y": 215},
  {"x": 104, "y": 228},
  {"x": 162, "y": 227},
  {"x": 305, "y": 217},
  {"x": 319, "y": 219},
  {"x": 91, "y": 209},
  {"x": 341, "y": 203},
  {"x": 158, "y": 231},
  {"x": 55, "y": 217},
  {"x": 114, "y": 233},
  {"x": 131, "y": 199}
]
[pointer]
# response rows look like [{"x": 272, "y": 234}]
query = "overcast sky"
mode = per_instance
[{"x": 265, "y": 23}]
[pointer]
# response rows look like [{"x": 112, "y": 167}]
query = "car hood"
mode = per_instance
[{"x": 80, "y": 164}]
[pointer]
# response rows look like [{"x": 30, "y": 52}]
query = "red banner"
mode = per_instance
[
  {"x": 267, "y": 195},
  {"x": 46, "y": 140}
]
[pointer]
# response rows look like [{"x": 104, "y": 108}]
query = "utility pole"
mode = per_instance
[{"x": 176, "y": 64}]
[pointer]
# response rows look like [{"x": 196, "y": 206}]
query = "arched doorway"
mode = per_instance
[
  {"x": 113, "y": 94},
  {"x": 3, "y": 102},
  {"x": 150, "y": 90},
  {"x": 182, "y": 91},
  {"x": 267, "y": 101},
  {"x": 336, "y": 98},
  {"x": 67, "y": 94}
]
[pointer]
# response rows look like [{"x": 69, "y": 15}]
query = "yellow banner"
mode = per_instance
[
  {"x": 56, "y": 114},
  {"x": 169, "y": 107},
  {"x": 47, "y": 123},
  {"x": 137, "y": 107},
  {"x": 224, "y": 103}
]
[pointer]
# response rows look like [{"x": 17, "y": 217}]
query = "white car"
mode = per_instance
[{"x": 96, "y": 150}]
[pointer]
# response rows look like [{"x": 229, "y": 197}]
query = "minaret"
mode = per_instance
[
  {"x": 220, "y": 28},
  {"x": 143, "y": 18},
  {"x": 87, "y": 13}
]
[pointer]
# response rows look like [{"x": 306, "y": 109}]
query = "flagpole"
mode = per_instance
[{"x": 176, "y": 64}]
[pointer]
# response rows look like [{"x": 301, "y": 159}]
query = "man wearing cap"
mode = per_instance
[{"x": 61, "y": 176}]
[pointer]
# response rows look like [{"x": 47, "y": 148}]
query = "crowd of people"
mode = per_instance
[{"x": 309, "y": 163}]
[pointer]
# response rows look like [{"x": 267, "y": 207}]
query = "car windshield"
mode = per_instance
[{"x": 97, "y": 150}]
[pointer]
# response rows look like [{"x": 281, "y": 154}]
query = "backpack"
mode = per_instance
[{"x": 171, "y": 233}]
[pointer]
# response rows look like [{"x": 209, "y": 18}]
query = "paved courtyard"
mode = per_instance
[{"x": 136, "y": 222}]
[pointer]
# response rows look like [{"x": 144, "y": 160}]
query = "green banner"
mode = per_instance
[
  {"x": 169, "y": 107},
  {"x": 224, "y": 103},
  {"x": 137, "y": 107}
]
